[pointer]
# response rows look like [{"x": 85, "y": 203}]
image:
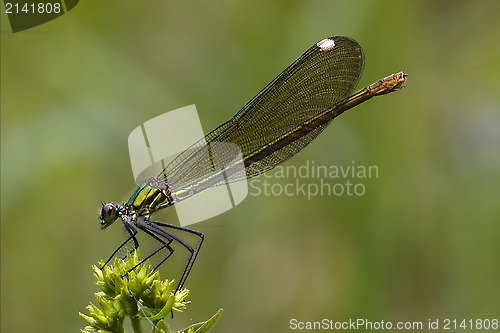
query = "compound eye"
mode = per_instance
[{"x": 109, "y": 213}]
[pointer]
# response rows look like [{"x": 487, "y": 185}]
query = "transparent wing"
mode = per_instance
[{"x": 324, "y": 75}]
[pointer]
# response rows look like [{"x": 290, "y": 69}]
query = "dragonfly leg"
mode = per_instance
[
  {"x": 132, "y": 232},
  {"x": 165, "y": 240},
  {"x": 159, "y": 227}
]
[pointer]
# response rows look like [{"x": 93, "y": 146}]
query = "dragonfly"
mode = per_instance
[{"x": 282, "y": 119}]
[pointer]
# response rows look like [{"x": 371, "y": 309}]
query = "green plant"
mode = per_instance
[{"x": 131, "y": 289}]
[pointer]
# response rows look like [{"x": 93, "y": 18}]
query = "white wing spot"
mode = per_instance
[{"x": 325, "y": 44}]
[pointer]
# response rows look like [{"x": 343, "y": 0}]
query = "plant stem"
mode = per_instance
[{"x": 136, "y": 324}]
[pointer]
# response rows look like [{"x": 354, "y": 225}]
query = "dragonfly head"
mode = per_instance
[{"x": 109, "y": 213}]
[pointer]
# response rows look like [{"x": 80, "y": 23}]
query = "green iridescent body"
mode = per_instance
[{"x": 149, "y": 197}]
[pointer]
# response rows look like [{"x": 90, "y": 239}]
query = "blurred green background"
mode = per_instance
[{"x": 422, "y": 243}]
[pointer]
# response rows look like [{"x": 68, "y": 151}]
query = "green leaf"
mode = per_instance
[
  {"x": 163, "y": 312},
  {"x": 163, "y": 327},
  {"x": 203, "y": 326}
]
